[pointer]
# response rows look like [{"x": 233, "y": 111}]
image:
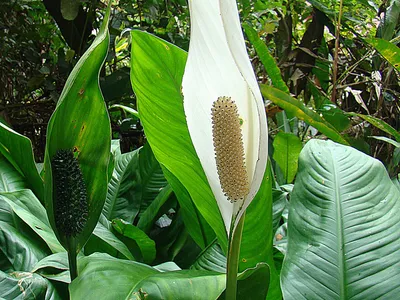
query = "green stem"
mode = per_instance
[
  {"x": 235, "y": 239},
  {"x": 73, "y": 266}
]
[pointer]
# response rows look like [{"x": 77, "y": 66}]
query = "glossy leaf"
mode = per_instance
[
  {"x": 102, "y": 234},
  {"x": 378, "y": 123},
  {"x": 24, "y": 285},
  {"x": 155, "y": 210},
  {"x": 195, "y": 223},
  {"x": 98, "y": 271},
  {"x": 22, "y": 252},
  {"x": 10, "y": 179},
  {"x": 266, "y": 58},
  {"x": 156, "y": 74},
  {"x": 388, "y": 50},
  {"x": 122, "y": 201},
  {"x": 257, "y": 237},
  {"x": 344, "y": 227},
  {"x": 81, "y": 123},
  {"x": 287, "y": 147},
  {"x": 299, "y": 110},
  {"x": 147, "y": 246},
  {"x": 18, "y": 150},
  {"x": 30, "y": 210}
]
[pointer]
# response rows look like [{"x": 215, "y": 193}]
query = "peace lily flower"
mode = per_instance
[{"x": 224, "y": 107}]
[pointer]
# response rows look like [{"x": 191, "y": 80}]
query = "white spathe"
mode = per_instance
[{"x": 218, "y": 65}]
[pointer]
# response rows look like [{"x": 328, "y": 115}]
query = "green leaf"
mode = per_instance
[
  {"x": 54, "y": 267},
  {"x": 122, "y": 200},
  {"x": 266, "y": 58},
  {"x": 388, "y": 50},
  {"x": 156, "y": 74},
  {"x": 378, "y": 123},
  {"x": 10, "y": 179},
  {"x": 104, "y": 277},
  {"x": 102, "y": 234},
  {"x": 22, "y": 252},
  {"x": 30, "y": 210},
  {"x": 24, "y": 285},
  {"x": 195, "y": 223},
  {"x": 287, "y": 147},
  {"x": 146, "y": 245},
  {"x": 344, "y": 227},
  {"x": 255, "y": 282},
  {"x": 387, "y": 140},
  {"x": 152, "y": 179},
  {"x": 211, "y": 259},
  {"x": 181, "y": 285},
  {"x": 330, "y": 111},
  {"x": 81, "y": 123},
  {"x": 299, "y": 110},
  {"x": 257, "y": 236},
  {"x": 18, "y": 150},
  {"x": 69, "y": 9},
  {"x": 155, "y": 210},
  {"x": 100, "y": 278},
  {"x": 128, "y": 109}
]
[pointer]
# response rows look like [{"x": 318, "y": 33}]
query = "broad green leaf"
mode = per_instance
[
  {"x": 57, "y": 260},
  {"x": 30, "y": 210},
  {"x": 102, "y": 234},
  {"x": 100, "y": 278},
  {"x": 54, "y": 267},
  {"x": 10, "y": 179},
  {"x": 378, "y": 123},
  {"x": 147, "y": 246},
  {"x": 152, "y": 179},
  {"x": 81, "y": 123},
  {"x": 155, "y": 210},
  {"x": 388, "y": 50},
  {"x": 195, "y": 224},
  {"x": 211, "y": 259},
  {"x": 137, "y": 180},
  {"x": 254, "y": 283},
  {"x": 287, "y": 147},
  {"x": 22, "y": 252},
  {"x": 266, "y": 58},
  {"x": 299, "y": 110},
  {"x": 156, "y": 74},
  {"x": 344, "y": 227},
  {"x": 25, "y": 285},
  {"x": 257, "y": 236},
  {"x": 18, "y": 150},
  {"x": 180, "y": 285},
  {"x": 104, "y": 277},
  {"x": 122, "y": 201}
]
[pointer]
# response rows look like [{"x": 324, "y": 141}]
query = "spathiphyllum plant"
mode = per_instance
[{"x": 225, "y": 115}]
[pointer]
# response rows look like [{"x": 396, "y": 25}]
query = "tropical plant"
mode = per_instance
[{"x": 316, "y": 218}]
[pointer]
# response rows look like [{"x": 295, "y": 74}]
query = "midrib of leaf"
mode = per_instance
[{"x": 340, "y": 234}]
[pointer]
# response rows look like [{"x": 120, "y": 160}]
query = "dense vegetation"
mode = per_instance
[{"x": 103, "y": 83}]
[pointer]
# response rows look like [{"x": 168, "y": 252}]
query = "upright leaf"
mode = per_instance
[
  {"x": 18, "y": 150},
  {"x": 81, "y": 124},
  {"x": 287, "y": 147},
  {"x": 344, "y": 227},
  {"x": 156, "y": 74}
]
